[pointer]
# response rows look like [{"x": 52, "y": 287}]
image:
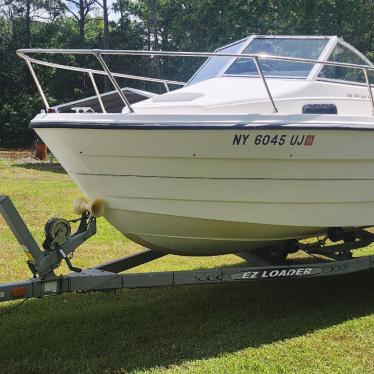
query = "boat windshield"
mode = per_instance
[
  {"x": 214, "y": 65},
  {"x": 308, "y": 48},
  {"x": 343, "y": 54}
]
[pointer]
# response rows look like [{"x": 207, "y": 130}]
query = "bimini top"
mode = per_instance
[{"x": 323, "y": 48}]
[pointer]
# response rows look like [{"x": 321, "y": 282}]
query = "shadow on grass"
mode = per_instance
[
  {"x": 42, "y": 166},
  {"x": 141, "y": 329}
]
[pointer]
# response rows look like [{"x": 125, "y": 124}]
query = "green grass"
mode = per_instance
[{"x": 304, "y": 326}]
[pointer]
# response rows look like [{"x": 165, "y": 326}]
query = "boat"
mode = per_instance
[{"x": 271, "y": 140}]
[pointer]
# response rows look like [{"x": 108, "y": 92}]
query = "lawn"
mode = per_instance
[{"x": 304, "y": 326}]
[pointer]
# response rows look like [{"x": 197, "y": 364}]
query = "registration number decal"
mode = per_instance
[{"x": 273, "y": 140}]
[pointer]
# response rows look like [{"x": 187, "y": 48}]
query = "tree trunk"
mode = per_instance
[
  {"x": 157, "y": 60},
  {"x": 122, "y": 15},
  {"x": 165, "y": 47},
  {"x": 81, "y": 20},
  {"x": 309, "y": 17},
  {"x": 149, "y": 62},
  {"x": 154, "y": 23},
  {"x": 149, "y": 35},
  {"x": 105, "y": 36},
  {"x": 28, "y": 24},
  {"x": 106, "y": 25}
]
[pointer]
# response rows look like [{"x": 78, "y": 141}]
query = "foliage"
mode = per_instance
[{"x": 144, "y": 24}]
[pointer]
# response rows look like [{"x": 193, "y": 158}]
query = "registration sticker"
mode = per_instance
[{"x": 309, "y": 140}]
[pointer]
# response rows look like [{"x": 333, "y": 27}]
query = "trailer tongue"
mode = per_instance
[{"x": 59, "y": 245}]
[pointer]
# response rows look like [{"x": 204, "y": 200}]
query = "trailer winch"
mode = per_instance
[{"x": 57, "y": 232}]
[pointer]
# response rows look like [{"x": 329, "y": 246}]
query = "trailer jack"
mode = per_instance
[{"x": 59, "y": 245}]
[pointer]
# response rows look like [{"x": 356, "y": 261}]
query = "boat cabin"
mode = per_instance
[{"x": 230, "y": 84}]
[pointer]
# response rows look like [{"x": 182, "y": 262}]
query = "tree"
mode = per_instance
[
  {"x": 104, "y": 6},
  {"x": 30, "y": 10},
  {"x": 80, "y": 10}
]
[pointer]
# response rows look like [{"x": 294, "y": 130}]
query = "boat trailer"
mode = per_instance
[{"x": 60, "y": 244}]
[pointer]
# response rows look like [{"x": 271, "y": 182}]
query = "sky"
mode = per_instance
[{"x": 97, "y": 12}]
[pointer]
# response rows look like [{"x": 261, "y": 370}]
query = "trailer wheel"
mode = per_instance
[
  {"x": 349, "y": 236},
  {"x": 265, "y": 256}
]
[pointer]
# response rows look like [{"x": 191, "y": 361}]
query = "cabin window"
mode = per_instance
[
  {"x": 307, "y": 48},
  {"x": 214, "y": 65},
  {"x": 346, "y": 55}
]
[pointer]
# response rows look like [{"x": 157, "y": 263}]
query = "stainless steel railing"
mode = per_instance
[
  {"x": 91, "y": 72},
  {"x": 24, "y": 54}
]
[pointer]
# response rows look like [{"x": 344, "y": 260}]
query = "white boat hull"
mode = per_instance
[{"x": 222, "y": 188}]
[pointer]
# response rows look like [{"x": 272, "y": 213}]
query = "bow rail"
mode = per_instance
[{"x": 98, "y": 53}]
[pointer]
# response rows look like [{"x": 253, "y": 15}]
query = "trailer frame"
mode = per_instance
[{"x": 336, "y": 260}]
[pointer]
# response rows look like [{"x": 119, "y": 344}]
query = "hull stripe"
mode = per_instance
[
  {"x": 174, "y": 126},
  {"x": 220, "y": 178}
]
